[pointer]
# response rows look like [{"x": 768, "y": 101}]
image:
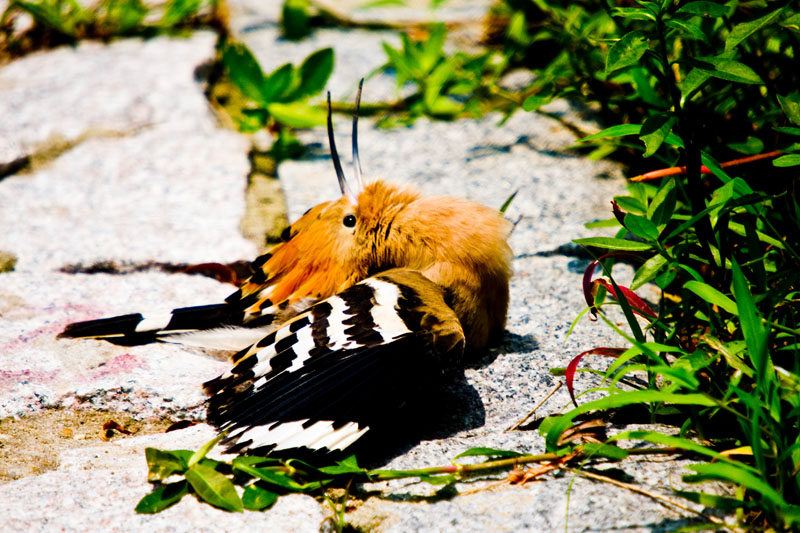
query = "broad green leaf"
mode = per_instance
[
  {"x": 244, "y": 71},
  {"x": 788, "y": 129},
  {"x": 627, "y": 51},
  {"x": 436, "y": 81},
  {"x": 791, "y": 106},
  {"x": 696, "y": 78},
  {"x": 688, "y": 28},
  {"x": 487, "y": 452},
  {"x": 754, "y": 333},
  {"x": 752, "y": 146},
  {"x": 257, "y": 498},
  {"x": 633, "y": 13},
  {"x": 611, "y": 243},
  {"x": 161, "y": 464},
  {"x": 742, "y": 31},
  {"x": 655, "y": 130},
  {"x": 663, "y": 205},
  {"x": 791, "y": 160},
  {"x": 214, "y": 488},
  {"x": 178, "y": 10},
  {"x": 535, "y": 101},
  {"x": 432, "y": 48},
  {"x": 277, "y": 86},
  {"x": 641, "y": 227},
  {"x": 297, "y": 114},
  {"x": 295, "y": 19},
  {"x": 711, "y": 9},
  {"x": 382, "y": 3},
  {"x": 620, "y": 130},
  {"x": 314, "y": 73},
  {"x": 162, "y": 497},
  {"x": 630, "y": 204},
  {"x": 730, "y": 70},
  {"x": 735, "y": 474},
  {"x": 595, "y": 449},
  {"x": 275, "y": 477},
  {"x": 348, "y": 465},
  {"x": 445, "y": 106},
  {"x": 648, "y": 271},
  {"x": 405, "y": 71},
  {"x": 125, "y": 15}
]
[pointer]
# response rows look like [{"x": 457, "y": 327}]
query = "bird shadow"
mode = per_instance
[{"x": 436, "y": 411}]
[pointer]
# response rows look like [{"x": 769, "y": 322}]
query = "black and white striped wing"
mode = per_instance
[{"x": 321, "y": 380}]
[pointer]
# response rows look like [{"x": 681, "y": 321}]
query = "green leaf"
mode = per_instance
[
  {"x": 712, "y": 500},
  {"x": 711, "y": 9},
  {"x": 648, "y": 271},
  {"x": 432, "y": 48},
  {"x": 620, "y": 399},
  {"x": 178, "y": 10},
  {"x": 788, "y": 129},
  {"x": 633, "y": 13},
  {"x": 689, "y": 29},
  {"x": 791, "y": 160},
  {"x": 791, "y": 106},
  {"x": 438, "y": 479},
  {"x": 730, "y": 70},
  {"x": 627, "y": 51},
  {"x": 754, "y": 333},
  {"x": 436, "y": 81},
  {"x": 488, "y": 452},
  {"x": 678, "y": 442},
  {"x": 295, "y": 19},
  {"x": 278, "y": 478},
  {"x": 737, "y": 475},
  {"x": 655, "y": 130},
  {"x": 535, "y": 101},
  {"x": 630, "y": 204},
  {"x": 314, "y": 73},
  {"x": 348, "y": 465},
  {"x": 641, "y": 227},
  {"x": 200, "y": 454},
  {"x": 405, "y": 71},
  {"x": 244, "y": 71},
  {"x": 214, "y": 488},
  {"x": 257, "y": 498},
  {"x": 444, "y": 106},
  {"x": 162, "y": 497},
  {"x": 712, "y": 296},
  {"x": 297, "y": 114},
  {"x": 663, "y": 205},
  {"x": 611, "y": 243},
  {"x": 595, "y": 449},
  {"x": 620, "y": 130},
  {"x": 742, "y": 31},
  {"x": 161, "y": 464},
  {"x": 752, "y": 146}
]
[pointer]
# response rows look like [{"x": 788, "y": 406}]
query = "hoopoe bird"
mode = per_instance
[{"x": 378, "y": 288}]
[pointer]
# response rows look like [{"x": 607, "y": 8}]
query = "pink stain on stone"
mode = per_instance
[
  {"x": 120, "y": 364},
  {"x": 11, "y": 378}
]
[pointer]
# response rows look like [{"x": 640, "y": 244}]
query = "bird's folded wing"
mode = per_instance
[{"x": 321, "y": 380}]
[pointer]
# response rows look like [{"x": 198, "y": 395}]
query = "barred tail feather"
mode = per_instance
[{"x": 137, "y": 328}]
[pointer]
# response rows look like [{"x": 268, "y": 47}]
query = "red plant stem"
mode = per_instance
[{"x": 676, "y": 171}]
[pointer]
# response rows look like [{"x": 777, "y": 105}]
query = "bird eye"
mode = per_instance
[{"x": 349, "y": 221}]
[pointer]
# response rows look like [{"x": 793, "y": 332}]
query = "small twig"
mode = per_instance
[
  {"x": 633, "y": 488},
  {"x": 531, "y": 413},
  {"x": 677, "y": 171}
]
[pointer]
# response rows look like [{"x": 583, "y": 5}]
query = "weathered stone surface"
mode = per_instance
[{"x": 172, "y": 191}]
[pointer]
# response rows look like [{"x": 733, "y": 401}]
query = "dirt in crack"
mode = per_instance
[{"x": 31, "y": 445}]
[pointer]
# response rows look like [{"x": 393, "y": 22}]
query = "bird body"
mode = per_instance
[{"x": 376, "y": 288}]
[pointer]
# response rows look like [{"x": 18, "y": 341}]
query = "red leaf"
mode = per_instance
[
  {"x": 569, "y": 372},
  {"x": 637, "y": 304}
]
